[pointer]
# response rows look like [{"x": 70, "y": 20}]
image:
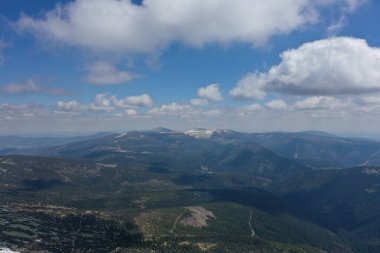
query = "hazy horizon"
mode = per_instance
[
  {"x": 68, "y": 134},
  {"x": 286, "y": 66}
]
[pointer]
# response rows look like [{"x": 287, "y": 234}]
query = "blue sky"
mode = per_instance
[{"x": 113, "y": 65}]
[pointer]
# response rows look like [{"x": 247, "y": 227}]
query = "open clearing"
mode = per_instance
[{"x": 198, "y": 218}]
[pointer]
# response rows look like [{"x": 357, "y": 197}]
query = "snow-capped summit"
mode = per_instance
[
  {"x": 205, "y": 133},
  {"x": 200, "y": 133},
  {"x": 161, "y": 130}
]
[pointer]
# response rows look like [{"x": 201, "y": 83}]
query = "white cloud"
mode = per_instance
[
  {"x": 102, "y": 103},
  {"x": 131, "y": 112},
  {"x": 253, "y": 107},
  {"x": 207, "y": 94},
  {"x": 102, "y": 100},
  {"x": 103, "y": 73},
  {"x": 335, "y": 66},
  {"x": 347, "y": 7},
  {"x": 73, "y": 106},
  {"x": 351, "y": 5},
  {"x": 277, "y": 104},
  {"x": 210, "y": 92},
  {"x": 143, "y": 100},
  {"x": 338, "y": 114},
  {"x": 171, "y": 109},
  {"x": 20, "y": 111},
  {"x": 213, "y": 113},
  {"x": 31, "y": 86},
  {"x": 3, "y": 45},
  {"x": 199, "y": 101},
  {"x": 337, "y": 25},
  {"x": 369, "y": 100},
  {"x": 105, "y": 103},
  {"x": 252, "y": 86},
  {"x": 106, "y": 100},
  {"x": 120, "y": 26},
  {"x": 69, "y": 106},
  {"x": 318, "y": 102}
]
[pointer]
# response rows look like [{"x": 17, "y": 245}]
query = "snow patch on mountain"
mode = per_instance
[
  {"x": 121, "y": 135},
  {"x": 201, "y": 133}
]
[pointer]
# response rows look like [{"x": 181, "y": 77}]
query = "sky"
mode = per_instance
[{"x": 85, "y": 66}]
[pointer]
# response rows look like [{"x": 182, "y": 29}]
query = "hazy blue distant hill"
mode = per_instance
[
  {"x": 11, "y": 142},
  {"x": 195, "y": 150},
  {"x": 312, "y": 148},
  {"x": 321, "y": 149}
]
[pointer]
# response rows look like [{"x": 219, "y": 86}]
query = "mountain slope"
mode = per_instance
[
  {"x": 53, "y": 198},
  {"x": 210, "y": 152},
  {"x": 345, "y": 201},
  {"x": 313, "y": 148},
  {"x": 321, "y": 149}
]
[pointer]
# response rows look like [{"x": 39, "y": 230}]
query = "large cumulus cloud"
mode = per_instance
[
  {"x": 121, "y": 26},
  {"x": 334, "y": 66}
]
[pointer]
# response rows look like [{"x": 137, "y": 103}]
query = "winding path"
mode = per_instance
[
  {"x": 253, "y": 233},
  {"x": 175, "y": 223}
]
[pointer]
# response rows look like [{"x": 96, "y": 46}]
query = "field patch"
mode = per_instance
[{"x": 199, "y": 217}]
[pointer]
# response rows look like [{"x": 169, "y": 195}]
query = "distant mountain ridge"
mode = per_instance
[
  {"x": 292, "y": 188},
  {"x": 321, "y": 149},
  {"x": 179, "y": 151},
  {"x": 313, "y": 148},
  {"x": 12, "y": 142}
]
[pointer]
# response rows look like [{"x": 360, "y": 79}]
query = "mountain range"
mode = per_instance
[{"x": 193, "y": 191}]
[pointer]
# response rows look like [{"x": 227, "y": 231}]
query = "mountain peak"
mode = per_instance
[
  {"x": 319, "y": 133},
  {"x": 205, "y": 133},
  {"x": 199, "y": 133},
  {"x": 161, "y": 130}
]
